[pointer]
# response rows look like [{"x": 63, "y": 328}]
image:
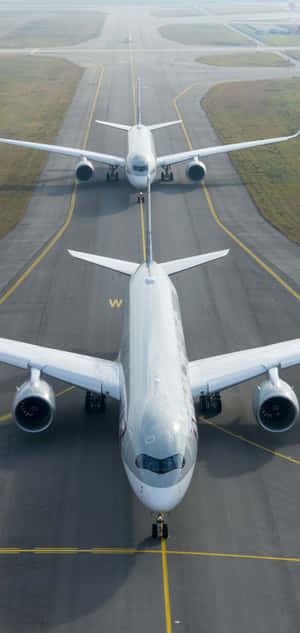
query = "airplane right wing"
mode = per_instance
[
  {"x": 181, "y": 157},
  {"x": 209, "y": 375},
  {"x": 105, "y": 159}
]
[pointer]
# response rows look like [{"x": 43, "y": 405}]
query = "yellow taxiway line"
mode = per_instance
[{"x": 70, "y": 213}]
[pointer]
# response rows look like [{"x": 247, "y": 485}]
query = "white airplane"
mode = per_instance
[
  {"x": 141, "y": 161},
  {"x": 154, "y": 382}
]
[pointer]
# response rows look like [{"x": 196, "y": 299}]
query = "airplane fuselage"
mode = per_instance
[
  {"x": 158, "y": 430},
  {"x": 141, "y": 157}
]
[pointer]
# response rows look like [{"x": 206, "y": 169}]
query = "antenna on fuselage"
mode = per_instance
[
  {"x": 138, "y": 102},
  {"x": 149, "y": 225}
]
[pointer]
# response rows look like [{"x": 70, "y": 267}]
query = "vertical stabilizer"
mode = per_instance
[
  {"x": 138, "y": 102},
  {"x": 149, "y": 227}
]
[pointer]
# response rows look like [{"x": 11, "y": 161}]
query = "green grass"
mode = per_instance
[
  {"x": 261, "y": 109},
  {"x": 35, "y": 95},
  {"x": 60, "y": 29},
  {"x": 252, "y": 59},
  {"x": 199, "y": 34}
]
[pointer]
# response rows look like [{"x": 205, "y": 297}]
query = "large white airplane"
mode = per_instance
[
  {"x": 154, "y": 381},
  {"x": 141, "y": 161}
]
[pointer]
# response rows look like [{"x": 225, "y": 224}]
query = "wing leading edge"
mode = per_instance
[
  {"x": 105, "y": 159},
  {"x": 94, "y": 374},
  {"x": 181, "y": 157},
  {"x": 209, "y": 375}
]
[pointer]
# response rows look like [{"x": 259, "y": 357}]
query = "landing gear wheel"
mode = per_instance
[
  {"x": 108, "y": 177},
  {"x": 94, "y": 402},
  {"x": 141, "y": 197},
  {"x": 160, "y": 528},
  {"x": 162, "y": 176},
  {"x": 154, "y": 530},
  {"x": 171, "y": 176}
]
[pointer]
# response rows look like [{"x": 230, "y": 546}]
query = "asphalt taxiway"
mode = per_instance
[{"x": 75, "y": 549}]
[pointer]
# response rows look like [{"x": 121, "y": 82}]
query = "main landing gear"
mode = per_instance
[
  {"x": 113, "y": 173},
  {"x": 94, "y": 402},
  {"x": 141, "y": 197},
  {"x": 160, "y": 528},
  {"x": 166, "y": 174}
]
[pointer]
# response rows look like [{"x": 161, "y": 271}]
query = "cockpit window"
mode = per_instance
[
  {"x": 160, "y": 466},
  {"x": 140, "y": 168}
]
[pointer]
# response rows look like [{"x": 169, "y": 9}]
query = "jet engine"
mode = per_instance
[
  {"x": 84, "y": 170},
  {"x": 34, "y": 404},
  {"x": 275, "y": 405},
  {"x": 195, "y": 170}
]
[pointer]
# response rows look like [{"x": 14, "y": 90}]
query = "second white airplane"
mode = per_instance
[{"x": 141, "y": 161}]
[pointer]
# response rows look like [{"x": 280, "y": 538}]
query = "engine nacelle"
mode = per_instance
[
  {"x": 195, "y": 170},
  {"x": 34, "y": 405},
  {"x": 275, "y": 405},
  {"x": 84, "y": 170}
]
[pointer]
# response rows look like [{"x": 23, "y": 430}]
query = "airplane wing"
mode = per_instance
[
  {"x": 88, "y": 372},
  {"x": 105, "y": 159},
  {"x": 181, "y": 157},
  {"x": 209, "y": 375}
]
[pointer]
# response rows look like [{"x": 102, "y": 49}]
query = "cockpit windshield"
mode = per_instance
[
  {"x": 160, "y": 466},
  {"x": 140, "y": 168}
]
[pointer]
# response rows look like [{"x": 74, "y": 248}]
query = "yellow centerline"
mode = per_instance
[
  {"x": 213, "y": 211},
  {"x": 143, "y": 229},
  {"x": 70, "y": 213}
]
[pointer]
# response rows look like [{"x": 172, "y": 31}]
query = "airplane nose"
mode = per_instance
[{"x": 159, "y": 499}]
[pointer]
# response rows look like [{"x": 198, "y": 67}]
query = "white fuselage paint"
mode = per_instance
[
  {"x": 157, "y": 411},
  {"x": 141, "y": 157}
]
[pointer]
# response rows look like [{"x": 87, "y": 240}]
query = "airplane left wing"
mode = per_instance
[
  {"x": 181, "y": 157},
  {"x": 105, "y": 159},
  {"x": 209, "y": 375},
  {"x": 91, "y": 373}
]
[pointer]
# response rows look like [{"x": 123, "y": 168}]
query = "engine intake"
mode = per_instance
[
  {"x": 275, "y": 404},
  {"x": 195, "y": 170},
  {"x": 84, "y": 171},
  {"x": 34, "y": 405}
]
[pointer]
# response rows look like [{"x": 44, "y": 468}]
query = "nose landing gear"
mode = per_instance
[
  {"x": 160, "y": 528},
  {"x": 141, "y": 197}
]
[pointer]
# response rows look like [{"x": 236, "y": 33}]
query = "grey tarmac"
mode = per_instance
[{"x": 66, "y": 488}]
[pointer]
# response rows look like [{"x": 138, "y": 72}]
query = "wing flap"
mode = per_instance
[
  {"x": 208, "y": 375},
  {"x": 91, "y": 373}
]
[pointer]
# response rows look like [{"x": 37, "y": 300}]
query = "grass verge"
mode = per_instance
[
  {"x": 261, "y": 109},
  {"x": 253, "y": 59},
  {"x": 61, "y": 29},
  {"x": 203, "y": 34},
  {"x": 35, "y": 95}
]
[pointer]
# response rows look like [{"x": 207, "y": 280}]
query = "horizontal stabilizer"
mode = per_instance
[
  {"x": 119, "y": 126},
  {"x": 177, "y": 265},
  {"x": 126, "y": 268},
  {"x": 157, "y": 126}
]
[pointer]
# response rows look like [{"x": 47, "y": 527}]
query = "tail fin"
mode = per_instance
[
  {"x": 138, "y": 102},
  {"x": 177, "y": 265},
  {"x": 157, "y": 126},
  {"x": 119, "y": 126},
  {"x": 121, "y": 266}
]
